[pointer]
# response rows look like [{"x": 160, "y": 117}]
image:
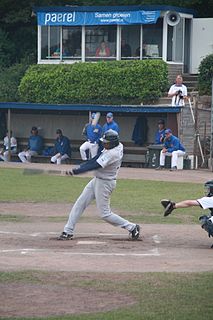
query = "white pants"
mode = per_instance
[
  {"x": 58, "y": 158},
  {"x": 100, "y": 190},
  {"x": 5, "y": 155},
  {"x": 174, "y": 155},
  {"x": 25, "y": 156},
  {"x": 92, "y": 147}
]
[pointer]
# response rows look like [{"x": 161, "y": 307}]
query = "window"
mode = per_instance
[
  {"x": 65, "y": 42},
  {"x": 152, "y": 39},
  {"x": 50, "y": 42},
  {"x": 100, "y": 42},
  {"x": 130, "y": 41},
  {"x": 71, "y": 43}
]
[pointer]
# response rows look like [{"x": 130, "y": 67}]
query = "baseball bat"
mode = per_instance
[
  {"x": 96, "y": 119},
  {"x": 34, "y": 171}
]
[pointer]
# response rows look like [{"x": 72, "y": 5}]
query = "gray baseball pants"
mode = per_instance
[{"x": 100, "y": 190}]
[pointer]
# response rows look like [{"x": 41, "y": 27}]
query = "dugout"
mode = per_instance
[{"x": 71, "y": 119}]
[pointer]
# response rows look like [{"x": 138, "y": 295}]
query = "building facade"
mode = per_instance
[{"x": 71, "y": 33}]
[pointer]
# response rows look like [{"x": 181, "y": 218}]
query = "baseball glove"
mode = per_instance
[{"x": 168, "y": 205}]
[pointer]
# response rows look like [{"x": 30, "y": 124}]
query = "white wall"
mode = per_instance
[
  {"x": 72, "y": 125},
  {"x": 202, "y": 41}
]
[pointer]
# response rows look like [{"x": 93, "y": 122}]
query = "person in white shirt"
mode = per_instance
[
  {"x": 4, "y": 153},
  {"x": 178, "y": 92}
]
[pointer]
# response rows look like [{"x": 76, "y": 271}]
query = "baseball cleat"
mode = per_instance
[
  {"x": 135, "y": 233},
  {"x": 65, "y": 236},
  {"x": 173, "y": 168}
]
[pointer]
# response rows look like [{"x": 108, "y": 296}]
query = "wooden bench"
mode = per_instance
[
  {"x": 134, "y": 156},
  {"x": 75, "y": 156}
]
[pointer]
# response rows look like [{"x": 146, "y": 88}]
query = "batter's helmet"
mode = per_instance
[
  {"x": 209, "y": 188},
  {"x": 110, "y": 139}
]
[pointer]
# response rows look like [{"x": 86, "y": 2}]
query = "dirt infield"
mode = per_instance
[
  {"x": 97, "y": 246},
  {"x": 196, "y": 176},
  {"x": 30, "y": 243}
]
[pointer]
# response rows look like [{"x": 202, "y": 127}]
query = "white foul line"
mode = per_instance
[
  {"x": 36, "y": 234},
  {"x": 153, "y": 252}
]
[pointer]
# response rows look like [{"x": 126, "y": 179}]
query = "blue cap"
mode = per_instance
[
  {"x": 109, "y": 115},
  {"x": 93, "y": 115},
  {"x": 168, "y": 131}
]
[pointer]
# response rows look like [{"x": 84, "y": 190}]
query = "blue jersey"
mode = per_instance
[
  {"x": 62, "y": 146},
  {"x": 159, "y": 136},
  {"x": 35, "y": 143},
  {"x": 93, "y": 133},
  {"x": 173, "y": 144},
  {"x": 112, "y": 125}
]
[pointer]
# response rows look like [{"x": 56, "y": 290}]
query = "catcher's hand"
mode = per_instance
[{"x": 168, "y": 205}]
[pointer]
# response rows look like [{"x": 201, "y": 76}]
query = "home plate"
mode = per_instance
[{"x": 91, "y": 242}]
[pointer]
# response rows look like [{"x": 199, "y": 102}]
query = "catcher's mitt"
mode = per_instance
[{"x": 168, "y": 205}]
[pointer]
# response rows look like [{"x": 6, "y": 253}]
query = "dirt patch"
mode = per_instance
[
  {"x": 30, "y": 300},
  {"x": 98, "y": 249},
  {"x": 196, "y": 176}
]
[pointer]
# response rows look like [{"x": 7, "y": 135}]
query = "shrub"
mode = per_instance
[
  {"x": 117, "y": 82},
  {"x": 10, "y": 80},
  {"x": 205, "y": 75},
  {"x": 7, "y": 49}
]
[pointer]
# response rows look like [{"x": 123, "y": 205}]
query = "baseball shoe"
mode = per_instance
[
  {"x": 65, "y": 236},
  {"x": 135, "y": 233},
  {"x": 159, "y": 168},
  {"x": 168, "y": 205},
  {"x": 173, "y": 168}
]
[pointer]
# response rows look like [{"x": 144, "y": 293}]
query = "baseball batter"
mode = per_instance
[{"x": 106, "y": 165}]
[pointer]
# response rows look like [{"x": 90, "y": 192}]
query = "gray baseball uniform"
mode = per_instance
[{"x": 100, "y": 189}]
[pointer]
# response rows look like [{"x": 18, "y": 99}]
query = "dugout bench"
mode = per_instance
[{"x": 134, "y": 156}]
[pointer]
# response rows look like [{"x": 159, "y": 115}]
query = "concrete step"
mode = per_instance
[
  {"x": 190, "y": 77},
  {"x": 190, "y": 81},
  {"x": 164, "y": 101}
]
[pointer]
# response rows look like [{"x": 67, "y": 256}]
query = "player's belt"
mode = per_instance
[{"x": 106, "y": 179}]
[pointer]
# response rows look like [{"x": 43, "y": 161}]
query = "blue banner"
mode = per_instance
[{"x": 97, "y": 18}]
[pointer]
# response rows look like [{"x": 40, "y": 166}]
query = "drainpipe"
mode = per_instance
[
  {"x": 211, "y": 146},
  {"x": 9, "y": 135}
]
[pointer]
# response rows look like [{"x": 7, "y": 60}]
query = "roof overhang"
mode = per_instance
[{"x": 89, "y": 107}]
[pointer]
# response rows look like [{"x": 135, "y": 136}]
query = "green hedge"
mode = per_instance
[
  {"x": 10, "y": 80},
  {"x": 205, "y": 75},
  {"x": 117, "y": 82}
]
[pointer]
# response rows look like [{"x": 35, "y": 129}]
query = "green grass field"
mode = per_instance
[
  {"x": 134, "y": 196},
  {"x": 161, "y": 296},
  {"x": 158, "y": 296}
]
